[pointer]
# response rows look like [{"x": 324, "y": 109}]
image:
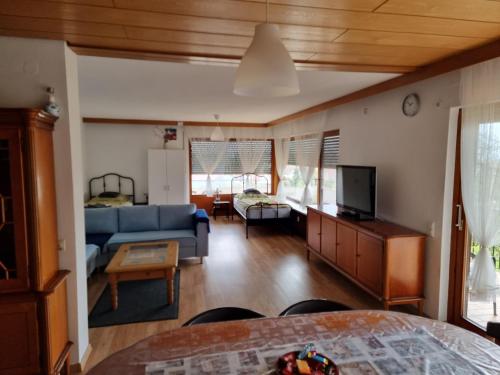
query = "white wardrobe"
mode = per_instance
[{"x": 167, "y": 183}]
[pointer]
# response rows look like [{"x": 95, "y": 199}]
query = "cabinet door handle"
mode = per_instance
[{"x": 2, "y": 212}]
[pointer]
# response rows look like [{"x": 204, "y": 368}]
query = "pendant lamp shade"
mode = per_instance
[{"x": 266, "y": 70}]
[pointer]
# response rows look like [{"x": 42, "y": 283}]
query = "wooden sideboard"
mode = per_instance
[
  {"x": 33, "y": 307},
  {"x": 385, "y": 259}
]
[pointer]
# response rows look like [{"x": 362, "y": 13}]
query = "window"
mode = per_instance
[
  {"x": 229, "y": 166},
  {"x": 292, "y": 179},
  {"x": 329, "y": 159},
  {"x": 294, "y": 185}
]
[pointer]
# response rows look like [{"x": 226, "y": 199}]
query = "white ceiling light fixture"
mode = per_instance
[
  {"x": 217, "y": 135},
  {"x": 266, "y": 69}
]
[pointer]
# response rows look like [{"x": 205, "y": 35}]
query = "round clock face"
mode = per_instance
[{"x": 411, "y": 105}]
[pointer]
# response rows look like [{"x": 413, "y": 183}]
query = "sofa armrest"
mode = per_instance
[
  {"x": 202, "y": 229},
  {"x": 202, "y": 239}
]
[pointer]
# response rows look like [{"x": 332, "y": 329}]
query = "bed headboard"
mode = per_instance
[
  {"x": 244, "y": 177},
  {"x": 121, "y": 182}
]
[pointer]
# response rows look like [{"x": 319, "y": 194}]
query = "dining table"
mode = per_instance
[{"x": 358, "y": 342}]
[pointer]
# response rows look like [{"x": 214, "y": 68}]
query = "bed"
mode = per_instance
[
  {"x": 254, "y": 207},
  {"x": 111, "y": 190}
]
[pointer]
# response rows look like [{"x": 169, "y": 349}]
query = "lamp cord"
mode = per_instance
[{"x": 267, "y": 11}]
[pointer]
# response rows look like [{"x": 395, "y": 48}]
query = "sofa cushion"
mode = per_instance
[
  {"x": 177, "y": 216},
  {"x": 101, "y": 220},
  {"x": 91, "y": 251},
  {"x": 138, "y": 218},
  {"x": 185, "y": 237},
  {"x": 98, "y": 239}
]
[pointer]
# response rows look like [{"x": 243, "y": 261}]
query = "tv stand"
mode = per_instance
[
  {"x": 354, "y": 216},
  {"x": 385, "y": 259}
]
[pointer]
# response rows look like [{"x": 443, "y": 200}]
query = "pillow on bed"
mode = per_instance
[
  {"x": 251, "y": 191},
  {"x": 109, "y": 194}
]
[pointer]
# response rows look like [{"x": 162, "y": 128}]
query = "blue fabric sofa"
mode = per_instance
[{"x": 108, "y": 228}]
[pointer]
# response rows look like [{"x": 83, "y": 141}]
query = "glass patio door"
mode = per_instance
[{"x": 465, "y": 308}]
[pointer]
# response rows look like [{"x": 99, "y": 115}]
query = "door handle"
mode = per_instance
[
  {"x": 2, "y": 212},
  {"x": 460, "y": 221}
]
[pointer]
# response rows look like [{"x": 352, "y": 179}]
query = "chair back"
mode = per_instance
[
  {"x": 223, "y": 314},
  {"x": 314, "y": 306},
  {"x": 493, "y": 330}
]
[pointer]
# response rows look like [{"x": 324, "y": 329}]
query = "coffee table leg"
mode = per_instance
[
  {"x": 113, "y": 284},
  {"x": 170, "y": 286}
]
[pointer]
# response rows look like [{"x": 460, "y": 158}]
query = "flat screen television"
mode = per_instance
[{"x": 356, "y": 189}]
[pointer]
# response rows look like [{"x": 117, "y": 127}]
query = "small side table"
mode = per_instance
[{"x": 221, "y": 205}]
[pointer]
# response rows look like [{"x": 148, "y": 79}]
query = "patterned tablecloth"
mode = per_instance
[{"x": 360, "y": 342}]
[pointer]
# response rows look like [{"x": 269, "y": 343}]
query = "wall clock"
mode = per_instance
[{"x": 411, "y": 105}]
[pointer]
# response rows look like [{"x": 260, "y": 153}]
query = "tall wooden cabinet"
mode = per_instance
[
  {"x": 33, "y": 307},
  {"x": 167, "y": 177},
  {"x": 385, "y": 259}
]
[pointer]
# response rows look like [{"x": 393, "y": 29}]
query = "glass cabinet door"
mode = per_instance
[{"x": 13, "y": 249}]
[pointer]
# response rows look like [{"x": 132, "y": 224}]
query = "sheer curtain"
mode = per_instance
[
  {"x": 307, "y": 152},
  {"x": 250, "y": 153},
  {"x": 480, "y": 160},
  {"x": 209, "y": 158},
  {"x": 281, "y": 152}
]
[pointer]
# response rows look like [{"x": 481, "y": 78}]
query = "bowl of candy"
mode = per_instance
[{"x": 307, "y": 361}]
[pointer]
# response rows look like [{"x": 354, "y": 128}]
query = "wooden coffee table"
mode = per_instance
[{"x": 143, "y": 261}]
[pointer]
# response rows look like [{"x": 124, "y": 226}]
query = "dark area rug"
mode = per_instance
[{"x": 138, "y": 301}]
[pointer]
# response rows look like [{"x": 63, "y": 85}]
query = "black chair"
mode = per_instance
[
  {"x": 493, "y": 330},
  {"x": 223, "y": 314},
  {"x": 314, "y": 306}
]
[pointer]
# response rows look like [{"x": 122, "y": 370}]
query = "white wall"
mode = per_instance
[
  {"x": 122, "y": 149},
  {"x": 410, "y": 156},
  {"x": 27, "y": 67}
]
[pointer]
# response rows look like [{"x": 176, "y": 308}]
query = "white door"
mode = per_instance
[
  {"x": 157, "y": 177},
  {"x": 176, "y": 177}
]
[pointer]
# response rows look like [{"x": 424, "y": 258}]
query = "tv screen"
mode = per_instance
[{"x": 356, "y": 189}]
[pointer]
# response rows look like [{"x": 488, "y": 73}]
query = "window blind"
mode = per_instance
[
  {"x": 309, "y": 144},
  {"x": 331, "y": 151},
  {"x": 230, "y": 163}
]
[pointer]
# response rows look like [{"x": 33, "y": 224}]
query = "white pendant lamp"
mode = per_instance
[
  {"x": 217, "y": 134},
  {"x": 266, "y": 69}
]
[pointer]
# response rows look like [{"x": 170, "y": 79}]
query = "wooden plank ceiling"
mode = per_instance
[{"x": 351, "y": 35}]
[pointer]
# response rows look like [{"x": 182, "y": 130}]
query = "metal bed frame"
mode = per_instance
[
  {"x": 120, "y": 178},
  {"x": 260, "y": 221}
]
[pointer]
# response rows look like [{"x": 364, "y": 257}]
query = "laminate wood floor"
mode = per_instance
[{"x": 265, "y": 273}]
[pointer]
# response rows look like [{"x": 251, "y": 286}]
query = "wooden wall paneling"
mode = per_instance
[
  {"x": 409, "y": 39},
  {"x": 257, "y": 8},
  {"x": 381, "y": 21},
  {"x": 479, "y": 10},
  {"x": 117, "y": 121},
  {"x": 470, "y": 57},
  {"x": 42, "y": 197},
  {"x": 62, "y": 26}
]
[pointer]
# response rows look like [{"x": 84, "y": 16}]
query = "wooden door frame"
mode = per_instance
[{"x": 458, "y": 244}]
